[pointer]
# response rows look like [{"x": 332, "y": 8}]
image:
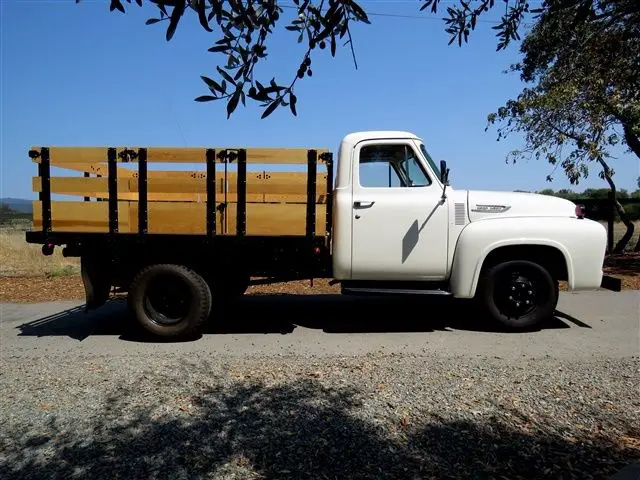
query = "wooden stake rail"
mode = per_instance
[
  {"x": 263, "y": 187},
  {"x": 116, "y": 199},
  {"x": 84, "y": 155}
]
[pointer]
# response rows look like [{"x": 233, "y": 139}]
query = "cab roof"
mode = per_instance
[{"x": 356, "y": 137}]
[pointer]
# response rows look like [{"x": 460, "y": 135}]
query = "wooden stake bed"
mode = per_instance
[{"x": 118, "y": 193}]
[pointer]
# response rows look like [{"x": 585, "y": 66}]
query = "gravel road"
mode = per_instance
[{"x": 397, "y": 393}]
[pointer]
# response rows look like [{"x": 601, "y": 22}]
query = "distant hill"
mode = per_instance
[{"x": 20, "y": 205}]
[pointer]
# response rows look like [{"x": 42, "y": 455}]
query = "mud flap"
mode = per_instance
[
  {"x": 611, "y": 283},
  {"x": 95, "y": 277}
]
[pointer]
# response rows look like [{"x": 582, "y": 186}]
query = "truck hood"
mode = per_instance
[{"x": 489, "y": 204}]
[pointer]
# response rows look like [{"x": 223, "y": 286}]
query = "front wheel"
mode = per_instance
[{"x": 519, "y": 294}]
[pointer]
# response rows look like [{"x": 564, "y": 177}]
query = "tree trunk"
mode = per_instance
[
  {"x": 634, "y": 144},
  {"x": 622, "y": 243},
  {"x": 632, "y": 139}
]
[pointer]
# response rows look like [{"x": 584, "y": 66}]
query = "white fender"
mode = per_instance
[{"x": 582, "y": 243}]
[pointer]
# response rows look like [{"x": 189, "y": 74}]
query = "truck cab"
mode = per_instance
[
  {"x": 392, "y": 215},
  {"x": 399, "y": 226}
]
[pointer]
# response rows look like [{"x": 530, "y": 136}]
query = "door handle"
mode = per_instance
[{"x": 359, "y": 204}]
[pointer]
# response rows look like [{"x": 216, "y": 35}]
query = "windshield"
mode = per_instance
[{"x": 432, "y": 164}]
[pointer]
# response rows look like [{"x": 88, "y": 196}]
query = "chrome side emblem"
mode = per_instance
[{"x": 491, "y": 208}]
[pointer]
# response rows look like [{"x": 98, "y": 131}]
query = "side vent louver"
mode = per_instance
[{"x": 460, "y": 214}]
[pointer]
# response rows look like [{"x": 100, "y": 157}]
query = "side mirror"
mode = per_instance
[
  {"x": 444, "y": 177},
  {"x": 444, "y": 172}
]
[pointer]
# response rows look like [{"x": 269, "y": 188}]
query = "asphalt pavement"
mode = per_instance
[
  {"x": 599, "y": 324},
  {"x": 321, "y": 386}
]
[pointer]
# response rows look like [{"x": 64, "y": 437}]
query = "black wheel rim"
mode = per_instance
[
  {"x": 167, "y": 300},
  {"x": 517, "y": 292}
]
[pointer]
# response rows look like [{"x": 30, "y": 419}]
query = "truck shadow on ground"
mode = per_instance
[{"x": 282, "y": 314}]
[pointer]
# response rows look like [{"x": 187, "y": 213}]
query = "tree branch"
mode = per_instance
[{"x": 632, "y": 139}]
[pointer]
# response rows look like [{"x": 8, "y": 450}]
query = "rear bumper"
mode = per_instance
[{"x": 611, "y": 283}]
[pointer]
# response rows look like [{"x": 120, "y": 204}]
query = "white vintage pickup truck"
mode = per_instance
[
  {"x": 181, "y": 243},
  {"x": 397, "y": 220}
]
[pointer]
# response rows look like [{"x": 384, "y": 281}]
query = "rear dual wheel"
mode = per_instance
[
  {"x": 170, "y": 300},
  {"x": 519, "y": 294}
]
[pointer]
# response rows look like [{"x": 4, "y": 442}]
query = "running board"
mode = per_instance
[{"x": 392, "y": 291}]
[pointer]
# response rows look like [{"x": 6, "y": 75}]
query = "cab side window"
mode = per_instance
[{"x": 390, "y": 166}]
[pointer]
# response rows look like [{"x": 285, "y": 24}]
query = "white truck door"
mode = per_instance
[{"x": 399, "y": 221}]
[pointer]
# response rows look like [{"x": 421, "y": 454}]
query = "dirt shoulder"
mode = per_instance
[
  {"x": 36, "y": 289},
  {"x": 40, "y": 288},
  {"x": 625, "y": 266}
]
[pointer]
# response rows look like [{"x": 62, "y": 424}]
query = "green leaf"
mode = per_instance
[
  {"x": 202, "y": 15},
  {"x": 116, "y": 5},
  {"x": 225, "y": 75},
  {"x": 276, "y": 89},
  {"x": 163, "y": 9},
  {"x": 212, "y": 84},
  {"x": 293, "y": 99},
  {"x": 239, "y": 73},
  {"x": 360, "y": 13},
  {"x": 178, "y": 10},
  {"x": 205, "y": 98},
  {"x": 269, "y": 110},
  {"x": 151, "y": 21},
  {"x": 233, "y": 102},
  {"x": 218, "y": 48}
]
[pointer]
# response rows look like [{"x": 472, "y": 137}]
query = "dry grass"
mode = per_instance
[
  {"x": 19, "y": 258},
  {"x": 619, "y": 230}
]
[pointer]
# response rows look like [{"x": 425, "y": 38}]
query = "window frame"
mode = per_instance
[
  {"x": 406, "y": 143},
  {"x": 433, "y": 166}
]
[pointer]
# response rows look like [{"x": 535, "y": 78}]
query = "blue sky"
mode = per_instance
[{"x": 81, "y": 75}]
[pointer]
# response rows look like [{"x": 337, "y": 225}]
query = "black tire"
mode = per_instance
[
  {"x": 519, "y": 294},
  {"x": 169, "y": 300}
]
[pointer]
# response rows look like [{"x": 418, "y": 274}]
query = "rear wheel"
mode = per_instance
[
  {"x": 519, "y": 294},
  {"x": 170, "y": 300}
]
